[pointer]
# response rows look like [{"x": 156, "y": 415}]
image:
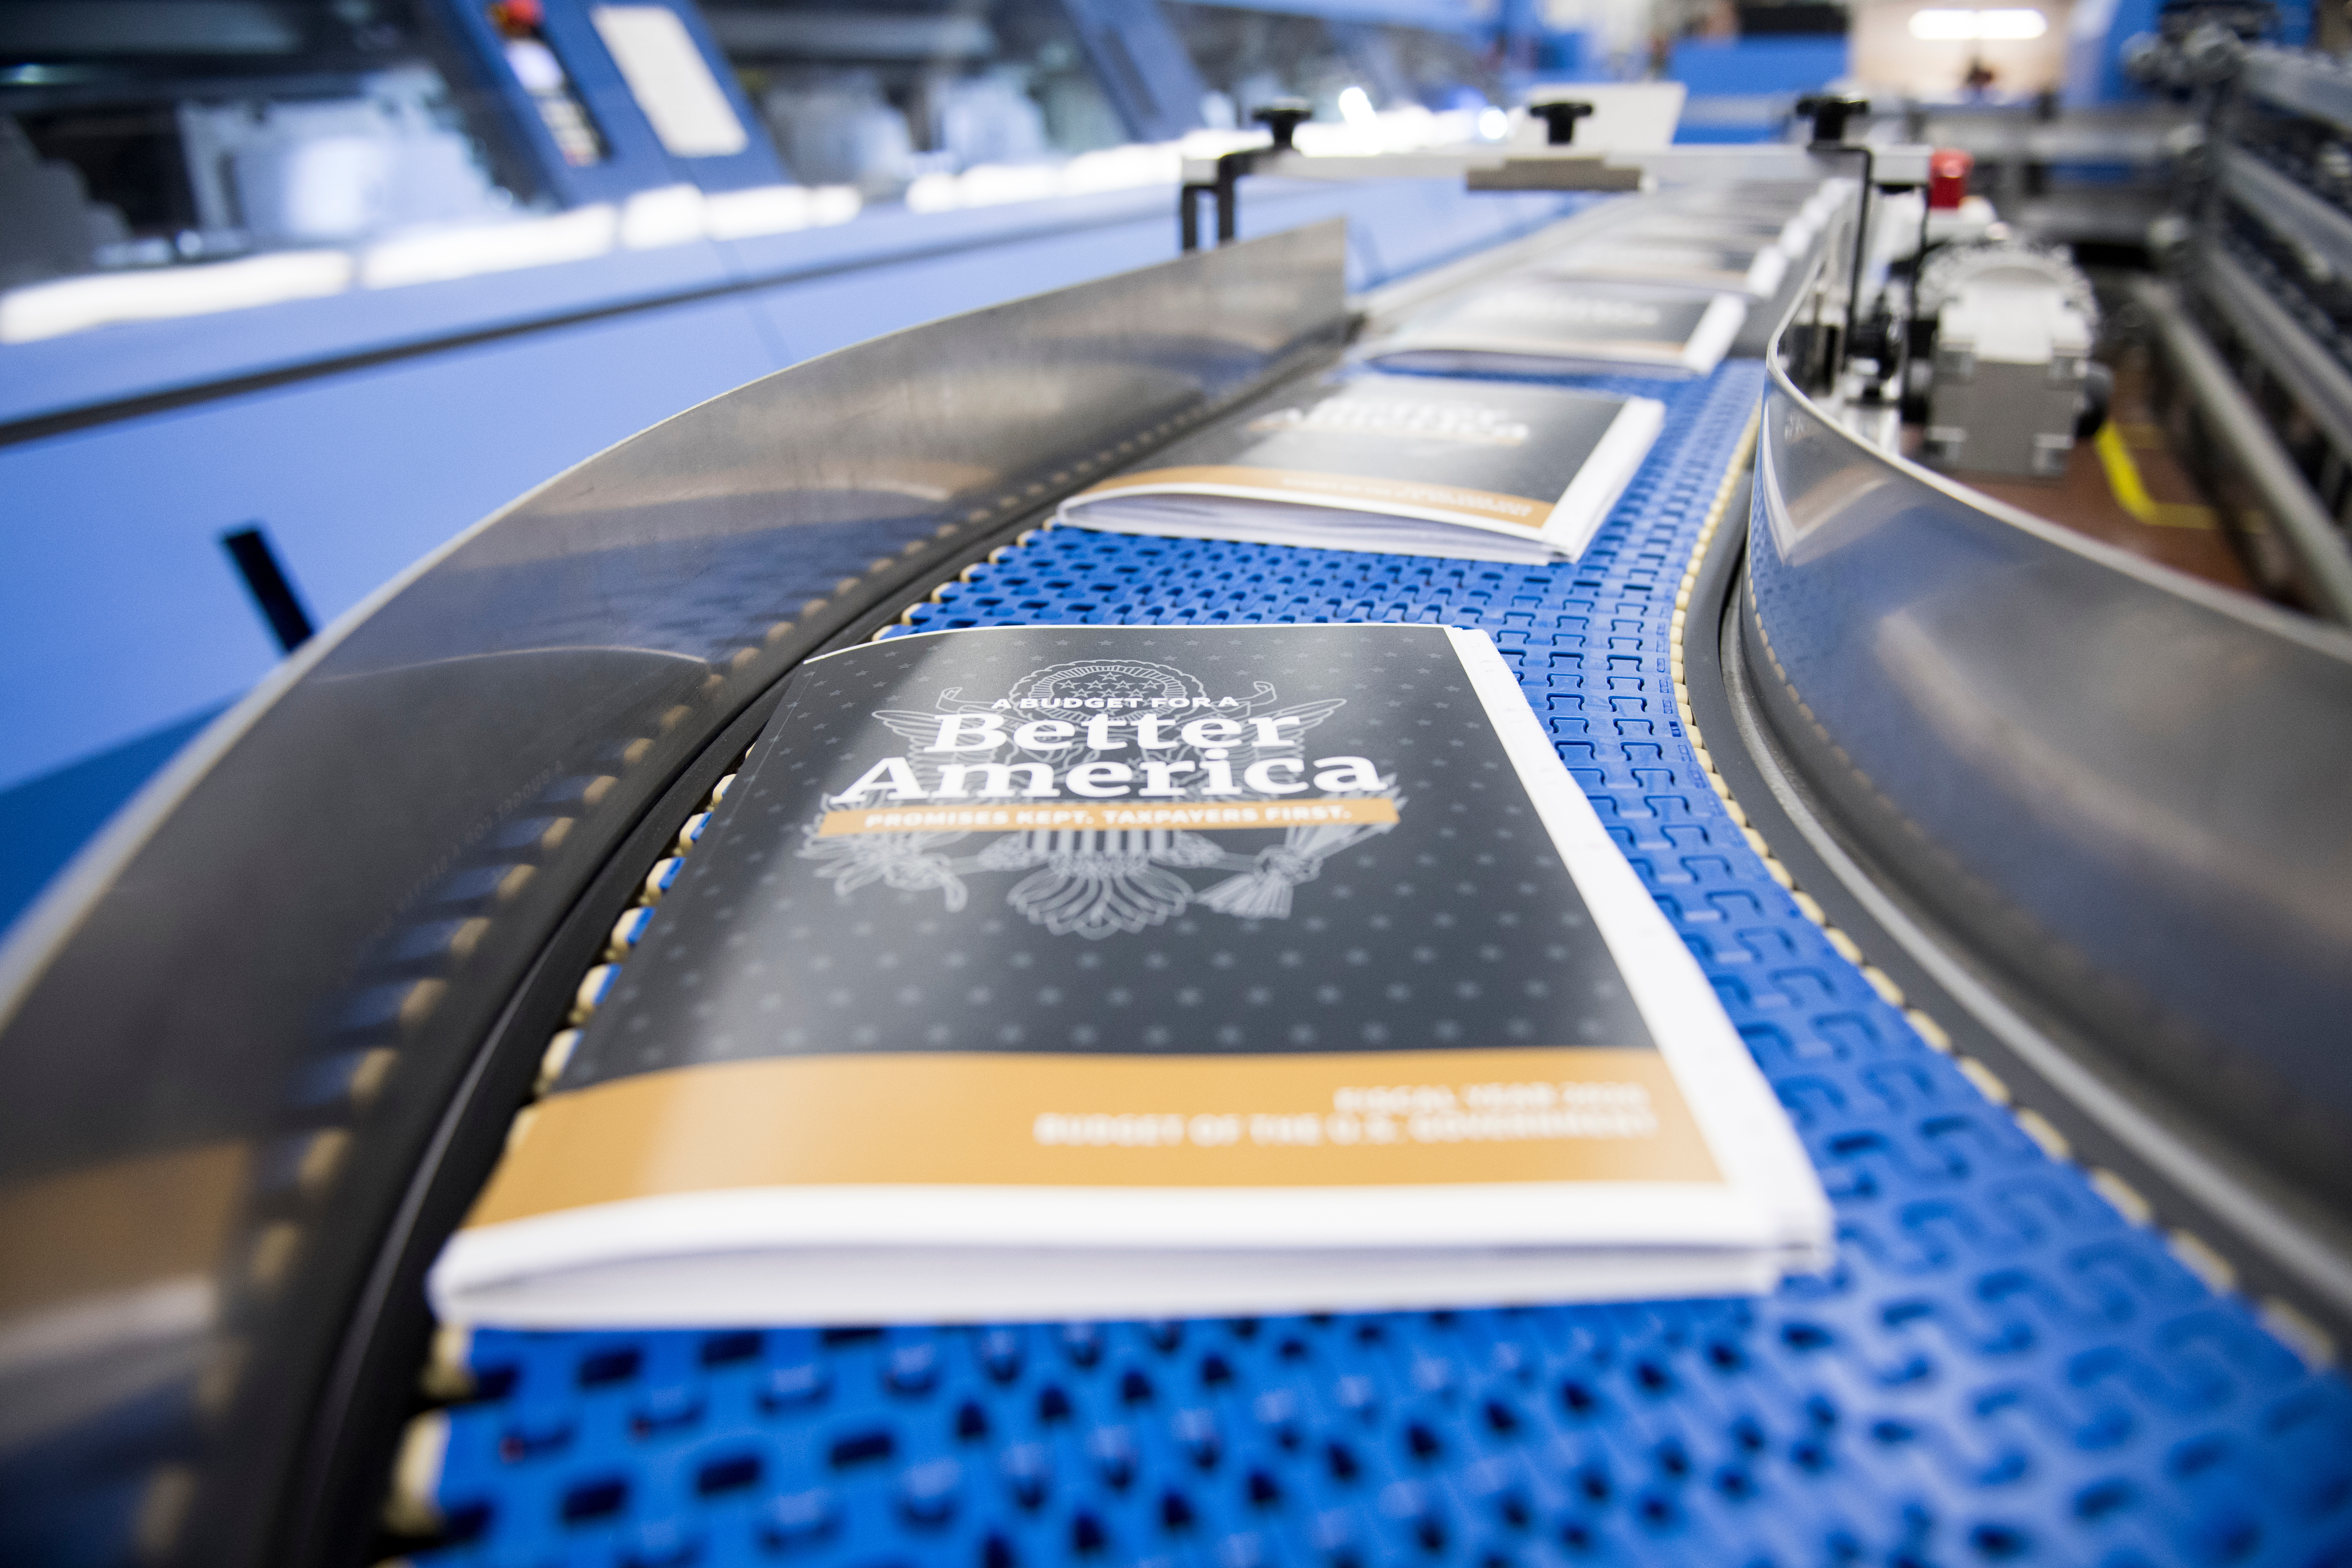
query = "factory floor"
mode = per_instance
[{"x": 2124, "y": 487}]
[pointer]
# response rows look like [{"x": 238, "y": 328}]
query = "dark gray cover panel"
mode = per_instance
[{"x": 1457, "y": 927}]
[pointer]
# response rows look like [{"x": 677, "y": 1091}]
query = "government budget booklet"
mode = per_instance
[
  {"x": 1746, "y": 266},
  {"x": 1811, "y": 200},
  {"x": 1532, "y": 325},
  {"x": 1800, "y": 209},
  {"x": 1789, "y": 235},
  {"x": 1077, "y": 971},
  {"x": 1415, "y": 465}
]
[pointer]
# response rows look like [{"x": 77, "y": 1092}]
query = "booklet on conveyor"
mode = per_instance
[
  {"x": 1532, "y": 325},
  {"x": 1748, "y": 266},
  {"x": 1800, "y": 209},
  {"x": 1811, "y": 199},
  {"x": 1789, "y": 234},
  {"x": 1078, "y": 970},
  {"x": 1416, "y": 465}
]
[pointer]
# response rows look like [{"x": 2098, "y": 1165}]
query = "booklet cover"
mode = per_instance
[
  {"x": 1531, "y": 325},
  {"x": 1092, "y": 971},
  {"x": 1787, "y": 196},
  {"x": 1804, "y": 206},
  {"x": 1748, "y": 266},
  {"x": 1789, "y": 234},
  {"x": 1419, "y": 465}
]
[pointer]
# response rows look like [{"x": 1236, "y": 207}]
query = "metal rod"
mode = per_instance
[
  {"x": 2302, "y": 521},
  {"x": 1839, "y": 360},
  {"x": 1861, "y": 253}
]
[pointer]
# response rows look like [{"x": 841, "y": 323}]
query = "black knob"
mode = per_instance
[
  {"x": 1830, "y": 115},
  {"x": 1877, "y": 338},
  {"x": 1283, "y": 116},
  {"x": 1560, "y": 120}
]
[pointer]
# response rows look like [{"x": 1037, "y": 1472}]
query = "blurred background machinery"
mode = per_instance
[
  {"x": 345, "y": 275},
  {"x": 293, "y": 292},
  {"x": 2253, "y": 321}
]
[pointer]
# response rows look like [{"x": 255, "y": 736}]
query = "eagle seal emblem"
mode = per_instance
[{"x": 1070, "y": 728}]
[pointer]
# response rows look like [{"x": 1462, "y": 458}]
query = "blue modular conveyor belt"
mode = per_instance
[{"x": 2003, "y": 1368}]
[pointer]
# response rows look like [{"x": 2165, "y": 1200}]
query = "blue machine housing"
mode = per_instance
[
  {"x": 1741, "y": 89},
  {"x": 636, "y": 159}
]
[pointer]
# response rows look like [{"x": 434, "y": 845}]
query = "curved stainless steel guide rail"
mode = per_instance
[{"x": 2105, "y": 801}]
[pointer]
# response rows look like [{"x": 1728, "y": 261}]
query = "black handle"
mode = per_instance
[
  {"x": 273, "y": 592},
  {"x": 1560, "y": 120},
  {"x": 1830, "y": 114},
  {"x": 1283, "y": 117}
]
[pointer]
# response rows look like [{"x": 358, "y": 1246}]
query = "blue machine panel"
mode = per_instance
[
  {"x": 1141, "y": 64},
  {"x": 2001, "y": 1368},
  {"x": 1741, "y": 89},
  {"x": 631, "y": 155},
  {"x": 1743, "y": 66}
]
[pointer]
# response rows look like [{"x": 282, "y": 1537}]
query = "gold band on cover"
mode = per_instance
[{"x": 989, "y": 1118}]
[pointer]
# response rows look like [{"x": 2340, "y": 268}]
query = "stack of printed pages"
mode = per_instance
[
  {"x": 1740, "y": 241},
  {"x": 1535, "y": 324},
  {"x": 1424, "y": 446},
  {"x": 1095, "y": 970},
  {"x": 1485, "y": 471}
]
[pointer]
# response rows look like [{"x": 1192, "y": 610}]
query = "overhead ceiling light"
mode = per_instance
[
  {"x": 2012, "y": 24},
  {"x": 2007, "y": 24}
]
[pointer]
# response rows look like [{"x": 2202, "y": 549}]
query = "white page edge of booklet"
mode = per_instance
[
  {"x": 1074, "y": 511},
  {"x": 1742, "y": 1120},
  {"x": 1521, "y": 548},
  {"x": 1610, "y": 466},
  {"x": 874, "y": 1286},
  {"x": 1472, "y": 360},
  {"x": 1770, "y": 1199},
  {"x": 1271, "y": 1223},
  {"x": 1725, "y": 314},
  {"x": 1398, "y": 353}
]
